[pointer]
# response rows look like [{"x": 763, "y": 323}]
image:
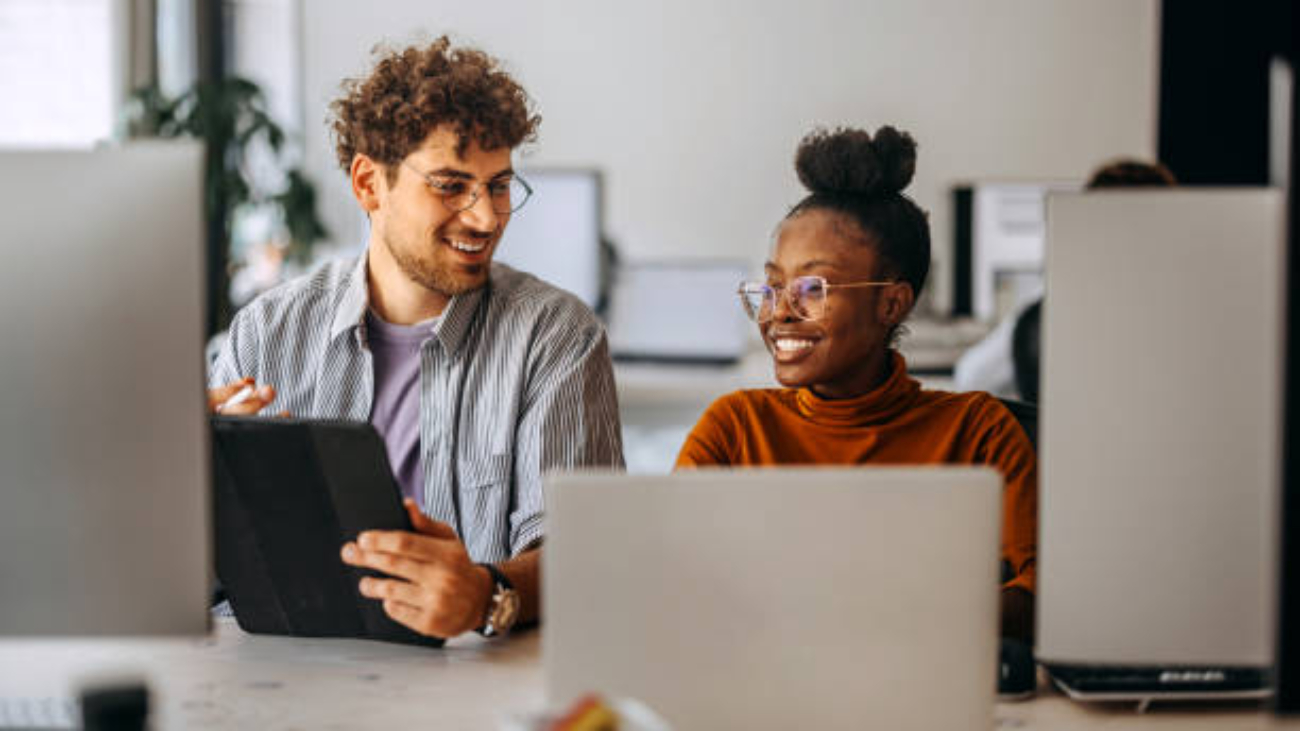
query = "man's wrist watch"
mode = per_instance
[{"x": 503, "y": 605}]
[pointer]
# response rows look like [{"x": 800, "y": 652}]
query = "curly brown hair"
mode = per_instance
[{"x": 411, "y": 92}]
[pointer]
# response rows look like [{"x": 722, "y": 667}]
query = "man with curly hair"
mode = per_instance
[{"x": 479, "y": 378}]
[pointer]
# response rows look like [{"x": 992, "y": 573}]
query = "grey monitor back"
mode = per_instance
[
  {"x": 103, "y": 444},
  {"x": 557, "y": 234},
  {"x": 1159, "y": 432},
  {"x": 679, "y": 312},
  {"x": 777, "y": 598}
]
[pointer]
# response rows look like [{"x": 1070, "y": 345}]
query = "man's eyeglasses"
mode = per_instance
[
  {"x": 806, "y": 295},
  {"x": 506, "y": 195}
]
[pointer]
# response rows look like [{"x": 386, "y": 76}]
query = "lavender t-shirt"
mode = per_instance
[{"x": 396, "y": 411}]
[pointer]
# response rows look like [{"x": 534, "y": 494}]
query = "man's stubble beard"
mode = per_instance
[{"x": 432, "y": 275}]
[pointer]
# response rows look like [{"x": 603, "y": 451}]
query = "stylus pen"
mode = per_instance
[{"x": 244, "y": 394}]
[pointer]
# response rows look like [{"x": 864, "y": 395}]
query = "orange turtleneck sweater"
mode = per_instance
[{"x": 897, "y": 423}]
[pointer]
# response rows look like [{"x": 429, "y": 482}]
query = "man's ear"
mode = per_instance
[
  {"x": 366, "y": 177},
  {"x": 895, "y": 303}
]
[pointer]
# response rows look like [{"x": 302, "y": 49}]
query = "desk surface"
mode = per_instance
[
  {"x": 232, "y": 680},
  {"x": 658, "y": 386}
]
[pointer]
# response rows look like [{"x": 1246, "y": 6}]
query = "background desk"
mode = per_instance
[
  {"x": 659, "y": 404},
  {"x": 232, "y": 680}
]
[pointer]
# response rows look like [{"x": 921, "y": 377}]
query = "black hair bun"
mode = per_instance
[{"x": 849, "y": 161}]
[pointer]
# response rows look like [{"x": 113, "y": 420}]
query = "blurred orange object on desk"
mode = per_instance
[{"x": 589, "y": 713}]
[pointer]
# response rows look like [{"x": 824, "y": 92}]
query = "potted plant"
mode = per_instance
[{"x": 230, "y": 116}]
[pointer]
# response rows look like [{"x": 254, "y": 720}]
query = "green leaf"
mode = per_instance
[{"x": 229, "y": 115}]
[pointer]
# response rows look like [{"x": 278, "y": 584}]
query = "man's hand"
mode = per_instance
[
  {"x": 436, "y": 588},
  {"x": 258, "y": 400}
]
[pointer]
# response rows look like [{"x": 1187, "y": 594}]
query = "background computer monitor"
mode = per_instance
[
  {"x": 557, "y": 234},
  {"x": 103, "y": 444},
  {"x": 998, "y": 230},
  {"x": 679, "y": 312}
]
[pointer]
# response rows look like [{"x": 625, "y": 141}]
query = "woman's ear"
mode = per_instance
[{"x": 895, "y": 303}]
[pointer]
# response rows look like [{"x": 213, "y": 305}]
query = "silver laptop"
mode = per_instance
[
  {"x": 103, "y": 444},
  {"x": 777, "y": 598},
  {"x": 1160, "y": 440}
]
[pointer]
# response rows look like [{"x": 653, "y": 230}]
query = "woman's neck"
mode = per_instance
[{"x": 871, "y": 376}]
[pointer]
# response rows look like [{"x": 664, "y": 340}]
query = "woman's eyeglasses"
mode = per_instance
[{"x": 805, "y": 295}]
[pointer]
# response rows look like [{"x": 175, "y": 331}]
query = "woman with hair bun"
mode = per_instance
[{"x": 849, "y": 262}]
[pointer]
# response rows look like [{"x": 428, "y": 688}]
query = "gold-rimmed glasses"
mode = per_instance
[{"x": 805, "y": 295}]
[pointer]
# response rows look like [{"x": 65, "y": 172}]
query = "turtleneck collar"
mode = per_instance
[{"x": 882, "y": 404}]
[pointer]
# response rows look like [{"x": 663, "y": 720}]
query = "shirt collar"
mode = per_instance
[
  {"x": 452, "y": 327},
  {"x": 458, "y": 315},
  {"x": 351, "y": 310}
]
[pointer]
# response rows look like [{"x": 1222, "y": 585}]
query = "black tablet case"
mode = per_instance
[{"x": 288, "y": 494}]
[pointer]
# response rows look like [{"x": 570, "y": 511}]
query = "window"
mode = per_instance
[{"x": 58, "y": 72}]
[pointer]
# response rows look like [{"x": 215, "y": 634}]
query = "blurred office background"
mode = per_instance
[{"x": 686, "y": 116}]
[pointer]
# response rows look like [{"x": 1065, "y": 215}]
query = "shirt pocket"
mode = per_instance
[
  {"x": 479, "y": 472},
  {"x": 485, "y": 500}
]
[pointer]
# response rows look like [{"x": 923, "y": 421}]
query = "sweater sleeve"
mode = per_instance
[
  {"x": 710, "y": 442},
  {"x": 1005, "y": 446}
]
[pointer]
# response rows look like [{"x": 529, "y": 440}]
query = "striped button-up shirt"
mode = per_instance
[{"x": 516, "y": 381}]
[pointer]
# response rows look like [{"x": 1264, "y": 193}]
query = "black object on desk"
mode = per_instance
[
  {"x": 115, "y": 708},
  {"x": 1017, "y": 671},
  {"x": 288, "y": 494},
  {"x": 1182, "y": 682}
]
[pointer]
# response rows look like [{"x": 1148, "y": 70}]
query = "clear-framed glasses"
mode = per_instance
[
  {"x": 806, "y": 296},
  {"x": 506, "y": 194}
]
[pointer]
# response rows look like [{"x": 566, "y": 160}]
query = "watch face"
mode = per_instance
[{"x": 505, "y": 610}]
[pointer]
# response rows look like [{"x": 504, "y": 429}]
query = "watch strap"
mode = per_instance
[{"x": 498, "y": 576}]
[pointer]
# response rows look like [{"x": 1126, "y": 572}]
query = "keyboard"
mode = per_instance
[
  {"x": 39, "y": 713},
  {"x": 1131, "y": 681}
]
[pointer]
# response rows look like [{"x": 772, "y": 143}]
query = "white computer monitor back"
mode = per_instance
[
  {"x": 104, "y": 470},
  {"x": 1159, "y": 433}
]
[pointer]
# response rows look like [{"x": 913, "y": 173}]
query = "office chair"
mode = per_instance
[
  {"x": 1026, "y": 347},
  {"x": 1025, "y": 342},
  {"x": 1027, "y": 415}
]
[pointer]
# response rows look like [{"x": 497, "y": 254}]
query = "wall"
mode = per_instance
[
  {"x": 262, "y": 46},
  {"x": 694, "y": 109}
]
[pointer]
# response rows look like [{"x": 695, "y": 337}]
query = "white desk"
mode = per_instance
[
  {"x": 659, "y": 404},
  {"x": 233, "y": 680},
  {"x": 655, "y": 386},
  {"x": 237, "y": 681}
]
